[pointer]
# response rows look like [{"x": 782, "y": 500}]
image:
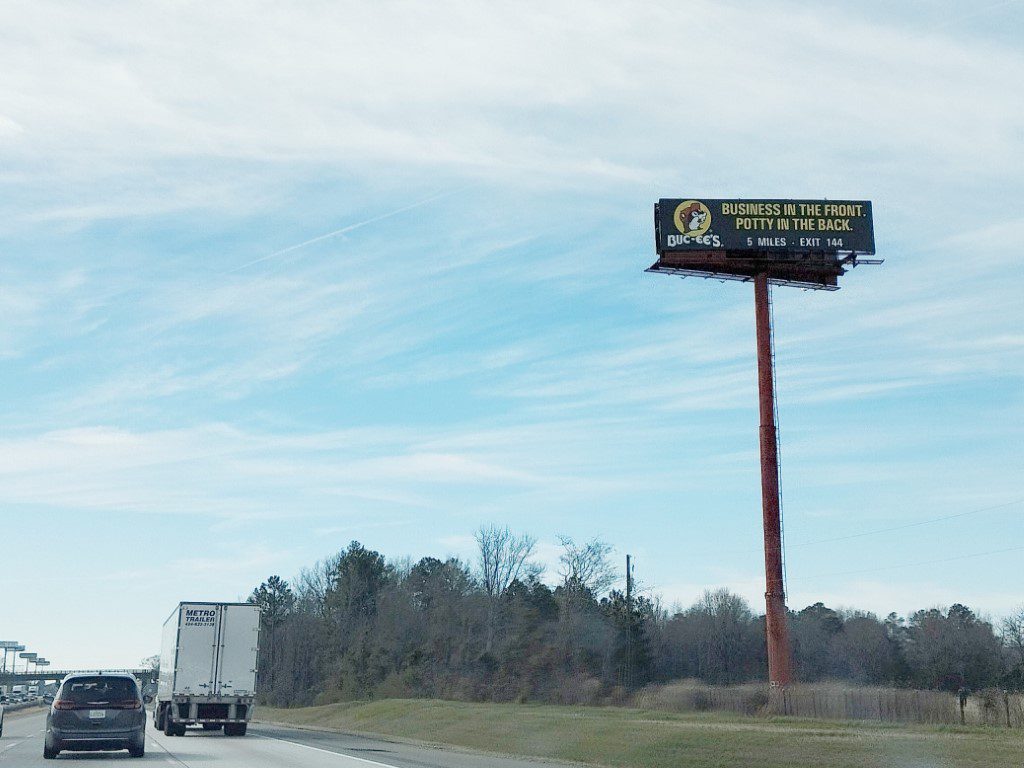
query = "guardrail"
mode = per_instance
[{"x": 22, "y": 705}]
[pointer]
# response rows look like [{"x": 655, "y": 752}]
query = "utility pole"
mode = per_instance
[
  {"x": 779, "y": 658},
  {"x": 629, "y": 623},
  {"x": 629, "y": 582}
]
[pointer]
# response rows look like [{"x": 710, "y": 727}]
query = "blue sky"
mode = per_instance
[{"x": 274, "y": 279}]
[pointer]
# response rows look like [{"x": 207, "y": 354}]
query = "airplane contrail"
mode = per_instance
[{"x": 343, "y": 230}]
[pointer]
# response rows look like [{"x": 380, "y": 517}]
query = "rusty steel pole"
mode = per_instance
[{"x": 779, "y": 659}]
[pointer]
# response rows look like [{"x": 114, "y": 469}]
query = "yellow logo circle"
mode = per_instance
[{"x": 692, "y": 217}]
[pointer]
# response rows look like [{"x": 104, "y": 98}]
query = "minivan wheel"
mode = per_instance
[
  {"x": 139, "y": 751},
  {"x": 49, "y": 752}
]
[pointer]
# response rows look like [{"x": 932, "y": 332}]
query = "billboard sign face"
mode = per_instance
[{"x": 769, "y": 228}]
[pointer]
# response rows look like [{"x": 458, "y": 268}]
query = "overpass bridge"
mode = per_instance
[{"x": 144, "y": 674}]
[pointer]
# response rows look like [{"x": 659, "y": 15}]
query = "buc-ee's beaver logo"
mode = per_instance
[{"x": 693, "y": 220}]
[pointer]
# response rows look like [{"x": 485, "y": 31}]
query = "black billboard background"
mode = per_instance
[{"x": 765, "y": 226}]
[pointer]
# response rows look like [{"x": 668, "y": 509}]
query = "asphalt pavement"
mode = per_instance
[{"x": 265, "y": 746}]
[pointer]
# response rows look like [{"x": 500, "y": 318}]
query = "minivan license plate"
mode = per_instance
[{"x": 97, "y": 714}]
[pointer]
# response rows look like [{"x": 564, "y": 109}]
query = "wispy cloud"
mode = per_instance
[
  {"x": 350, "y": 89},
  {"x": 234, "y": 474}
]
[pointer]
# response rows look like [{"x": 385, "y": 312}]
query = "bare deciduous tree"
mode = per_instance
[
  {"x": 586, "y": 566},
  {"x": 313, "y": 584},
  {"x": 503, "y": 558},
  {"x": 1013, "y": 633}
]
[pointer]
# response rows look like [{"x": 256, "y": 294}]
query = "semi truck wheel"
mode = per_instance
[{"x": 169, "y": 727}]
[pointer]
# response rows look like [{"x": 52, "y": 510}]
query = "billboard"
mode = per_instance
[{"x": 767, "y": 227}]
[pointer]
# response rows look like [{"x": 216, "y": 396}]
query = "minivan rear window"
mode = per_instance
[{"x": 97, "y": 690}]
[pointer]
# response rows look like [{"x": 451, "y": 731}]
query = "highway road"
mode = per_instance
[{"x": 264, "y": 746}]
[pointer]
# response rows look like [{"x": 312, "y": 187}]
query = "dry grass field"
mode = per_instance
[
  {"x": 637, "y": 737},
  {"x": 837, "y": 701}
]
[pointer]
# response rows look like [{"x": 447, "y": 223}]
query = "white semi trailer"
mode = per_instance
[{"x": 208, "y": 668}]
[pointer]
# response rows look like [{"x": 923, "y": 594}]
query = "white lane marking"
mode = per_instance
[
  {"x": 168, "y": 756},
  {"x": 19, "y": 743},
  {"x": 327, "y": 751},
  {"x": 24, "y": 738}
]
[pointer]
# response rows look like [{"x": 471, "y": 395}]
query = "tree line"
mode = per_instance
[{"x": 358, "y": 626}]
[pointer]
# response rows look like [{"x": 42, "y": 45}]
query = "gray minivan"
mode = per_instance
[{"x": 96, "y": 711}]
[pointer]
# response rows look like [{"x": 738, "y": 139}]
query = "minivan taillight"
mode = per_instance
[
  {"x": 64, "y": 704},
  {"x": 126, "y": 704}
]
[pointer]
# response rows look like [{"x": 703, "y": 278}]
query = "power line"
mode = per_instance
[
  {"x": 907, "y": 525},
  {"x": 778, "y": 440},
  {"x": 877, "y": 531},
  {"x": 921, "y": 562}
]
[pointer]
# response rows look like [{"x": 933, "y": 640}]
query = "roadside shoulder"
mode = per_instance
[{"x": 441, "y": 746}]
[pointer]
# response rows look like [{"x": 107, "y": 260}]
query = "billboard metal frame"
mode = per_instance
[{"x": 805, "y": 272}]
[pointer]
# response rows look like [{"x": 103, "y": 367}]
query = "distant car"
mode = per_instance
[
  {"x": 94, "y": 712},
  {"x": 2, "y": 718},
  {"x": 47, "y": 698}
]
